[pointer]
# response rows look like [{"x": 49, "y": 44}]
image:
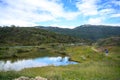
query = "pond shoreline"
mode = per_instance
[{"x": 9, "y": 65}]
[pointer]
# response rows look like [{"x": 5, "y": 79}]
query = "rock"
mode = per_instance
[
  {"x": 22, "y": 78},
  {"x": 27, "y": 78},
  {"x": 39, "y": 78},
  {"x": 32, "y": 79}
]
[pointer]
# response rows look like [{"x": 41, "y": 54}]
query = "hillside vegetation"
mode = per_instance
[
  {"x": 92, "y": 32},
  {"x": 112, "y": 41},
  {"x": 11, "y": 36}
]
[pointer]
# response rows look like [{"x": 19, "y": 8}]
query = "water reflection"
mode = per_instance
[{"x": 38, "y": 62}]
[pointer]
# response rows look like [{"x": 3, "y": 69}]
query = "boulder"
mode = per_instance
[
  {"x": 22, "y": 78},
  {"x": 27, "y": 78},
  {"x": 39, "y": 78}
]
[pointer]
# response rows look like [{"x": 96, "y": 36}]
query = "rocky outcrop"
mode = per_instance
[{"x": 27, "y": 78}]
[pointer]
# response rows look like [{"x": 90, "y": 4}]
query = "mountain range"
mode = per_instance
[
  {"x": 10, "y": 36},
  {"x": 91, "y": 32}
]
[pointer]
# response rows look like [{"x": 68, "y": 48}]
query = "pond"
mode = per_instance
[{"x": 37, "y": 62}]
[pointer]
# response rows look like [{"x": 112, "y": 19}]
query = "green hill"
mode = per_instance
[
  {"x": 31, "y": 36},
  {"x": 112, "y": 41},
  {"x": 92, "y": 32}
]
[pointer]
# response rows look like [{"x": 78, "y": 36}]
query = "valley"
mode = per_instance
[{"x": 29, "y": 43}]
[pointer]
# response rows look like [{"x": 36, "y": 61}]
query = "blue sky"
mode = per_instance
[{"x": 61, "y": 13}]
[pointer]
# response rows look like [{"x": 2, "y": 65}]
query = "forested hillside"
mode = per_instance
[
  {"x": 93, "y": 32},
  {"x": 31, "y": 36}
]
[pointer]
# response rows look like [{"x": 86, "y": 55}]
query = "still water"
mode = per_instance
[{"x": 37, "y": 62}]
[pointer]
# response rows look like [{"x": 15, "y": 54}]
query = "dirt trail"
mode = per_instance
[{"x": 94, "y": 49}]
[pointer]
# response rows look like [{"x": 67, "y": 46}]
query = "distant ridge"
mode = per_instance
[{"x": 92, "y": 32}]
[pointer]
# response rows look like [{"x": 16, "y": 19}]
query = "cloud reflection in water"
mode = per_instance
[{"x": 38, "y": 62}]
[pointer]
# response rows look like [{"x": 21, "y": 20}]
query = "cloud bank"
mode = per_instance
[{"x": 37, "y": 12}]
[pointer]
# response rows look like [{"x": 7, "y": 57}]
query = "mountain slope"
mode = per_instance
[
  {"x": 31, "y": 36},
  {"x": 93, "y": 32},
  {"x": 112, "y": 41}
]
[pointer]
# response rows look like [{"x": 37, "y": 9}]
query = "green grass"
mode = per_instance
[
  {"x": 8, "y": 75},
  {"x": 84, "y": 53},
  {"x": 83, "y": 71},
  {"x": 26, "y": 52},
  {"x": 93, "y": 66}
]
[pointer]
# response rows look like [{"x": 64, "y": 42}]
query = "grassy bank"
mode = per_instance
[
  {"x": 16, "y": 52},
  {"x": 84, "y": 54},
  {"x": 93, "y": 66}
]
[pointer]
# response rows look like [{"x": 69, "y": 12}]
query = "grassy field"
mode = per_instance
[{"x": 92, "y": 65}]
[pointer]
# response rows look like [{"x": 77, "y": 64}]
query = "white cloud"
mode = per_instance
[
  {"x": 87, "y": 7},
  {"x": 62, "y": 26},
  {"x": 112, "y": 24},
  {"x": 115, "y": 15},
  {"x": 95, "y": 21},
  {"x": 116, "y": 2},
  {"x": 27, "y": 12},
  {"x": 107, "y": 11},
  {"x": 96, "y": 8},
  {"x": 71, "y": 15},
  {"x": 16, "y": 22},
  {"x": 98, "y": 11},
  {"x": 33, "y": 12}
]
